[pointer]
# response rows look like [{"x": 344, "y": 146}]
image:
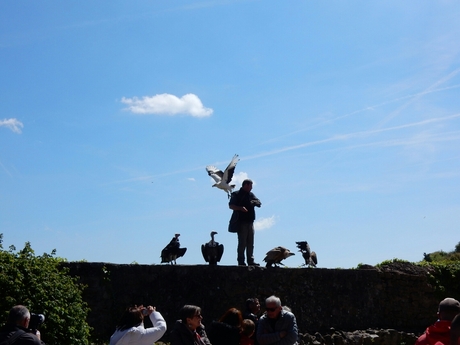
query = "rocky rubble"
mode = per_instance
[{"x": 362, "y": 337}]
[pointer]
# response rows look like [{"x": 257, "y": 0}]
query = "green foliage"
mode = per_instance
[
  {"x": 43, "y": 286},
  {"x": 443, "y": 272},
  {"x": 442, "y": 256},
  {"x": 445, "y": 277},
  {"x": 392, "y": 261}
]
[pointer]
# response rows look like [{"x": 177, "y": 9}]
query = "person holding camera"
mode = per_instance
[
  {"x": 17, "y": 331},
  {"x": 130, "y": 328}
]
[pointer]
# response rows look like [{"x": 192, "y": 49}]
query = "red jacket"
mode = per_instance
[
  {"x": 245, "y": 340},
  {"x": 436, "y": 334}
]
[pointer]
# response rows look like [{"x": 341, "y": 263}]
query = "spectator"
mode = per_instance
[
  {"x": 17, "y": 329},
  {"x": 130, "y": 328},
  {"x": 439, "y": 332},
  {"x": 455, "y": 331},
  {"x": 252, "y": 310},
  {"x": 276, "y": 326},
  {"x": 227, "y": 330},
  {"x": 189, "y": 330},
  {"x": 247, "y": 332}
]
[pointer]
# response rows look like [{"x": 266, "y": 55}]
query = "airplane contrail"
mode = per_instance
[
  {"x": 352, "y": 135},
  {"x": 428, "y": 90}
]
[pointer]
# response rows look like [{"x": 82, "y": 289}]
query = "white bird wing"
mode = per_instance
[
  {"x": 228, "y": 173},
  {"x": 215, "y": 173}
]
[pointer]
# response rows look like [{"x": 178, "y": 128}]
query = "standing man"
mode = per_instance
[
  {"x": 439, "y": 332},
  {"x": 277, "y": 326},
  {"x": 17, "y": 329},
  {"x": 242, "y": 203}
]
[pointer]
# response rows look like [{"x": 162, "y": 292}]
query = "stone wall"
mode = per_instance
[{"x": 321, "y": 299}]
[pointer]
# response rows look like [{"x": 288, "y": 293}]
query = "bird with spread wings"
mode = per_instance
[
  {"x": 223, "y": 178},
  {"x": 172, "y": 251}
]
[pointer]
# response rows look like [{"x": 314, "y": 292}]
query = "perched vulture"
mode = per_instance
[
  {"x": 276, "y": 255},
  {"x": 223, "y": 179},
  {"x": 310, "y": 257},
  {"x": 172, "y": 251},
  {"x": 212, "y": 251}
]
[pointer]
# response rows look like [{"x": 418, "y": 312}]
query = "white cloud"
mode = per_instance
[
  {"x": 238, "y": 179},
  {"x": 191, "y": 179},
  {"x": 13, "y": 124},
  {"x": 264, "y": 223},
  {"x": 168, "y": 104}
]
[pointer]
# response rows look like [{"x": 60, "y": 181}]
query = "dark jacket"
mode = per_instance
[
  {"x": 181, "y": 335},
  {"x": 221, "y": 333},
  {"x": 27, "y": 338},
  {"x": 245, "y": 199},
  {"x": 268, "y": 331}
]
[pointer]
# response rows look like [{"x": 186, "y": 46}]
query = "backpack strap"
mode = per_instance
[{"x": 13, "y": 338}]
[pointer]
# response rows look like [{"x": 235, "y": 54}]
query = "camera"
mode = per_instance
[
  {"x": 36, "y": 320},
  {"x": 256, "y": 202}
]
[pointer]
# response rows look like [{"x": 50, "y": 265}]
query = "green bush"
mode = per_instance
[
  {"x": 441, "y": 256},
  {"x": 44, "y": 287},
  {"x": 445, "y": 277}
]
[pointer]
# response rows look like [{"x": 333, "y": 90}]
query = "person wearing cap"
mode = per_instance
[
  {"x": 439, "y": 332},
  {"x": 242, "y": 203}
]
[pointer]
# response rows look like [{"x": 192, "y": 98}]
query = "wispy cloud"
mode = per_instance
[
  {"x": 239, "y": 177},
  {"x": 5, "y": 169},
  {"x": 343, "y": 137},
  {"x": 428, "y": 90},
  {"x": 264, "y": 223},
  {"x": 13, "y": 124},
  {"x": 373, "y": 107},
  {"x": 168, "y": 104}
]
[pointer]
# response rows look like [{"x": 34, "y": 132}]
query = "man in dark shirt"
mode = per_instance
[
  {"x": 17, "y": 328},
  {"x": 242, "y": 203}
]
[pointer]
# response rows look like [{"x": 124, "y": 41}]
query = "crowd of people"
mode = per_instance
[{"x": 276, "y": 326}]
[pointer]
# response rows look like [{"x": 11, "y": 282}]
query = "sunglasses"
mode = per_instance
[{"x": 271, "y": 309}]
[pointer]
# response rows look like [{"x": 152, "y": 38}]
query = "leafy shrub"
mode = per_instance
[
  {"x": 43, "y": 286},
  {"x": 443, "y": 274},
  {"x": 442, "y": 256},
  {"x": 445, "y": 277}
]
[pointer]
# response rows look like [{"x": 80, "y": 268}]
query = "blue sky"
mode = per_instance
[{"x": 345, "y": 114}]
